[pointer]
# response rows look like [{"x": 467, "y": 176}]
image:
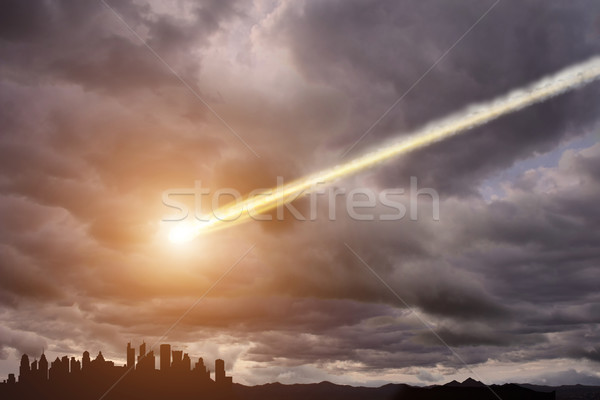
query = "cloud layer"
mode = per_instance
[{"x": 95, "y": 127}]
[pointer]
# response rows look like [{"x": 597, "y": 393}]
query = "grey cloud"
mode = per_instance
[
  {"x": 516, "y": 43},
  {"x": 426, "y": 376},
  {"x": 95, "y": 129},
  {"x": 568, "y": 377},
  {"x": 23, "y": 342},
  {"x": 104, "y": 55}
]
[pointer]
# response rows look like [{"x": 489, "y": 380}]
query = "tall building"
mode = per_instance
[
  {"x": 64, "y": 363},
  {"x": 24, "y": 369},
  {"x": 34, "y": 368},
  {"x": 201, "y": 371},
  {"x": 43, "y": 368},
  {"x": 75, "y": 366},
  {"x": 85, "y": 361},
  {"x": 186, "y": 363},
  {"x": 219, "y": 371},
  {"x": 220, "y": 378},
  {"x": 130, "y": 356},
  {"x": 177, "y": 357},
  {"x": 142, "y": 352},
  {"x": 165, "y": 356},
  {"x": 151, "y": 359}
]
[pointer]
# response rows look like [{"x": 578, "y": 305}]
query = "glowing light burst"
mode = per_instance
[
  {"x": 473, "y": 116},
  {"x": 183, "y": 232}
]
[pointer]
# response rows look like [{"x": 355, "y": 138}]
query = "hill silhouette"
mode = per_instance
[
  {"x": 469, "y": 382},
  {"x": 472, "y": 390}
]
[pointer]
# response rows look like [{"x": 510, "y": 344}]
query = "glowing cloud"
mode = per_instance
[{"x": 473, "y": 116}]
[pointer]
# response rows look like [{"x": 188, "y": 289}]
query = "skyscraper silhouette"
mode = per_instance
[
  {"x": 85, "y": 361},
  {"x": 219, "y": 371},
  {"x": 165, "y": 356},
  {"x": 186, "y": 363},
  {"x": 34, "y": 369},
  {"x": 177, "y": 357},
  {"x": 75, "y": 365},
  {"x": 130, "y": 356},
  {"x": 43, "y": 368},
  {"x": 24, "y": 369}
]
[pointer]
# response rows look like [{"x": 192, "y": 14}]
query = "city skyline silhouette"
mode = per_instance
[{"x": 100, "y": 378}]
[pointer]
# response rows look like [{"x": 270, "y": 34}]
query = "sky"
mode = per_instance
[{"x": 105, "y": 106}]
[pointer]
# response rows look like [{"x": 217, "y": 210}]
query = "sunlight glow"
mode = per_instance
[{"x": 184, "y": 232}]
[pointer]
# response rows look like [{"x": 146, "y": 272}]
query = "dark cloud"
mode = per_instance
[
  {"x": 24, "y": 342},
  {"x": 104, "y": 55},
  {"x": 512, "y": 46}
]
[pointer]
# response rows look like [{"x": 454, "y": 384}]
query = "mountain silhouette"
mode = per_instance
[
  {"x": 453, "y": 383},
  {"x": 469, "y": 382},
  {"x": 468, "y": 390}
]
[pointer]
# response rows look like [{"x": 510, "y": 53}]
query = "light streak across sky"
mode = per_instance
[{"x": 473, "y": 116}]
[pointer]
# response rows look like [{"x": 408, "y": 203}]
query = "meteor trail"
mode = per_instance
[{"x": 473, "y": 116}]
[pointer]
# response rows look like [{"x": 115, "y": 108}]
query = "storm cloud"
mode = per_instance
[{"x": 95, "y": 127}]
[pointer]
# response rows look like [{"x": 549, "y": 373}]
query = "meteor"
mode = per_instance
[{"x": 473, "y": 116}]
